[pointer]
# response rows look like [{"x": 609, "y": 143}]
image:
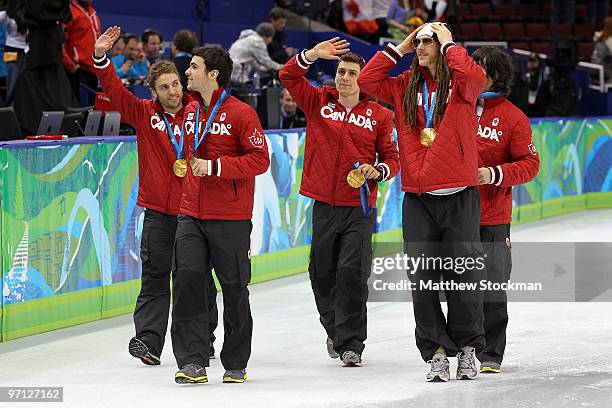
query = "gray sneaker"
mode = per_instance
[
  {"x": 191, "y": 374},
  {"x": 490, "y": 367},
  {"x": 466, "y": 364},
  {"x": 330, "y": 349},
  {"x": 439, "y": 371},
  {"x": 234, "y": 376},
  {"x": 351, "y": 358}
]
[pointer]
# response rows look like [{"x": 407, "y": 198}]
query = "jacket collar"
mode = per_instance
[
  {"x": 215, "y": 96},
  {"x": 493, "y": 102},
  {"x": 333, "y": 93}
]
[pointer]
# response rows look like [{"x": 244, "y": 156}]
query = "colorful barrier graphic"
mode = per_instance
[{"x": 71, "y": 228}]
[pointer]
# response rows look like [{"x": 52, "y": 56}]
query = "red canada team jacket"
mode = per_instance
[
  {"x": 159, "y": 188},
  {"x": 452, "y": 160},
  {"x": 337, "y": 139},
  {"x": 81, "y": 34},
  {"x": 506, "y": 147},
  {"x": 237, "y": 152}
]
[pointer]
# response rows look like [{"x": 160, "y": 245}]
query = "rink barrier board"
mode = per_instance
[{"x": 554, "y": 138}]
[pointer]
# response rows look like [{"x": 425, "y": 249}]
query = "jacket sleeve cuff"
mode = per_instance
[
  {"x": 497, "y": 175},
  {"x": 302, "y": 61},
  {"x": 447, "y": 46},
  {"x": 216, "y": 167},
  {"x": 393, "y": 53},
  {"x": 101, "y": 63},
  {"x": 384, "y": 171}
]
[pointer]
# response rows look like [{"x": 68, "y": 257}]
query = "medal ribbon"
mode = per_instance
[
  {"x": 178, "y": 147},
  {"x": 364, "y": 192},
  {"x": 428, "y": 110},
  {"x": 196, "y": 139},
  {"x": 483, "y": 97}
]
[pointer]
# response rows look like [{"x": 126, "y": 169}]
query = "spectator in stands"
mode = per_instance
[
  {"x": 117, "y": 48},
  {"x": 250, "y": 54},
  {"x": 598, "y": 10},
  {"x": 131, "y": 63},
  {"x": 380, "y": 9},
  {"x": 602, "y": 54},
  {"x": 278, "y": 49},
  {"x": 535, "y": 80},
  {"x": 402, "y": 19},
  {"x": 80, "y": 34},
  {"x": 291, "y": 115},
  {"x": 183, "y": 44},
  {"x": 435, "y": 9},
  {"x": 567, "y": 8},
  {"x": 14, "y": 50},
  {"x": 151, "y": 44}
]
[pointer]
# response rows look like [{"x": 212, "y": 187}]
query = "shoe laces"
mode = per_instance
[
  {"x": 465, "y": 360},
  {"x": 437, "y": 364}
]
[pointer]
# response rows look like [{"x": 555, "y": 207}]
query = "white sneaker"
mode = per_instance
[
  {"x": 439, "y": 371},
  {"x": 466, "y": 364}
]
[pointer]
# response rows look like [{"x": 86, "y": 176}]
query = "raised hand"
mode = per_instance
[
  {"x": 105, "y": 41},
  {"x": 443, "y": 33},
  {"x": 329, "y": 50},
  {"x": 406, "y": 46}
]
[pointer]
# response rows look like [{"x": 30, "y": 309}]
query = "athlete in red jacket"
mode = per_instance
[
  {"x": 345, "y": 134},
  {"x": 159, "y": 188},
  {"x": 228, "y": 149},
  {"x": 434, "y": 102},
  {"x": 507, "y": 157}
]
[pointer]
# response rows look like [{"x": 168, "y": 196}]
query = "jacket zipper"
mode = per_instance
[{"x": 235, "y": 188}]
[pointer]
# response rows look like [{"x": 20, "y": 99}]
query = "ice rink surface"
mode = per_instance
[{"x": 557, "y": 354}]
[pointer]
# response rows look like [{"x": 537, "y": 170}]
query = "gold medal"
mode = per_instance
[
  {"x": 427, "y": 136},
  {"x": 355, "y": 178},
  {"x": 180, "y": 167}
]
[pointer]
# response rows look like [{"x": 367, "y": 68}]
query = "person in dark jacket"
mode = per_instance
[
  {"x": 278, "y": 49},
  {"x": 507, "y": 157},
  {"x": 183, "y": 43}
]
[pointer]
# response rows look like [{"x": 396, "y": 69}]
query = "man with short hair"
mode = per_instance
[
  {"x": 250, "y": 54},
  {"x": 349, "y": 149},
  {"x": 183, "y": 43},
  {"x": 290, "y": 115},
  {"x": 151, "y": 44},
  {"x": 160, "y": 133},
  {"x": 228, "y": 149},
  {"x": 278, "y": 49},
  {"x": 131, "y": 63}
]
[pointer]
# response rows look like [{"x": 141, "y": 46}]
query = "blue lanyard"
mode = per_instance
[
  {"x": 196, "y": 139},
  {"x": 183, "y": 54},
  {"x": 364, "y": 192},
  {"x": 178, "y": 147},
  {"x": 489, "y": 95},
  {"x": 428, "y": 110}
]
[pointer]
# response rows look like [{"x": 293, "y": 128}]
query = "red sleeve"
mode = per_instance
[
  {"x": 525, "y": 162},
  {"x": 255, "y": 159},
  {"x": 291, "y": 76},
  {"x": 374, "y": 78},
  {"x": 388, "y": 156},
  {"x": 467, "y": 77},
  {"x": 133, "y": 110}
]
